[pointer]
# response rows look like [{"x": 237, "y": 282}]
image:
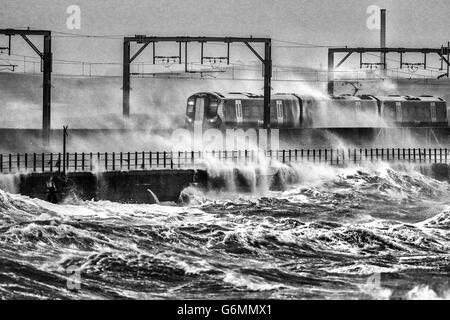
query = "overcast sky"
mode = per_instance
[{"x": 323, "y": 22}]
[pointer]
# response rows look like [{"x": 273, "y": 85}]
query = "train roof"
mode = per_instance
[
  {"x": 247, "y": 96},
  {"x": 409, "y": 98}
]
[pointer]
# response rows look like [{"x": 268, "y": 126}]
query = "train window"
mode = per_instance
[
  {"x": 441, "y": 113},
  {"x": 212, "y": 110},
  {"x": 398, "y": 111},
  {"x": 389, "y": 111},
  {"x": 190, "y": 106},
  {"x": 433, "y": 111},
  {"x": 238, "y": 104},
  {"x": 423, "y": 113},
  {"x": 280, "y": 111}
]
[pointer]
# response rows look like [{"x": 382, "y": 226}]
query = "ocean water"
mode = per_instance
[{"x": 376, "y": 232}]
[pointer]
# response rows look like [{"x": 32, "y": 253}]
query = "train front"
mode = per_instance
[{"x": 203, "y": 110}]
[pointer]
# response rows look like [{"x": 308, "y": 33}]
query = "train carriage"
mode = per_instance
[
  {"x": 408, "y": 111},
  {"x": 287, "y": 110},
  {"x": 241, "y": 110}
]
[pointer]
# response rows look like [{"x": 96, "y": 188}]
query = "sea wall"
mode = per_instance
[{"x": 126, "y": 186}]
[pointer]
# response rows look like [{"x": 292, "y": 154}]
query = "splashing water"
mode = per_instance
[{"x": 377, "y": 232}]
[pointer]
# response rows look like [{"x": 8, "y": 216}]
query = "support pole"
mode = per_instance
[
  {"x": 201, "y": 52},
  {"x": 47, "y": 86},
  {"x": 267, "y": 82},
  {"x": 64, "y": 149},
  {"x": 330, "y": 72},
  {"x": 126, "y": 79},
  {"x": 448, "y": 59},
  {"x": 185, "y": 57},
  {"x": 383, "y": 40}
]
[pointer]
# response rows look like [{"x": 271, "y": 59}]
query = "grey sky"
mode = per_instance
[{"x": 324, "y": 22}]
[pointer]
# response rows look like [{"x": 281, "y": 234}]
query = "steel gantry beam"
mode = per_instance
[
  {"x": 146, "y": 40},
  {"x": 442, "y": 52},
  {"x": 46, "y": 58}
]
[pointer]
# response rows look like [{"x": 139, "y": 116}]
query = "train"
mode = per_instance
[{"x": 291, "y": 111}]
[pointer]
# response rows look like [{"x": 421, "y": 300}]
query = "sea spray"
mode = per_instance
[{"x": 326, "y": 235}]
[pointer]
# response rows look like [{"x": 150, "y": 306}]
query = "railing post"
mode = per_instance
[
  {"x": 136, "y": 160},
  {"x": 164, "y": 159},
  {"x": 43, "y": 161},
  {"x": 150, "y": 163},
  {"x": 114, "y": 161},
  {"x": 90, "y": 161},
  {"x": 1, "y": 163},
  {"x": 59, "y": 161},
  {"x": 82, "y": 161},
  {"x": 51, "y": 162},
  {"x": 106, "y": 161}
]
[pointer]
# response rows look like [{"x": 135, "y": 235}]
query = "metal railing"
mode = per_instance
[{"x": 148, "y": 160}]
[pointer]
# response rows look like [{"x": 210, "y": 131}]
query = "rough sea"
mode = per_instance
[{"x": 373, "y": 232}]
